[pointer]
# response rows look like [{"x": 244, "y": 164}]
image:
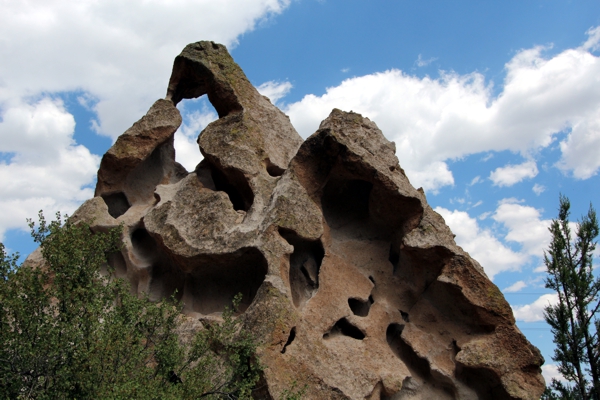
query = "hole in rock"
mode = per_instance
[
  {"x": 346, "y": 201},
  {"x": 484, "y": 382},
  {"x": 305, "y": 263},
  {"x": 359, "y": 307},
  {"x": 144, "y": 245},
  {"x": 404, "y": 316},
  {"x": 235, "y": 185},
  {"x": 204, "y": 174},
  {"x": 291, "y": 338},
  {"x": 117, "y": 204},
  {"x": 273, "y": 169},
  {"x": 191, "y": 79},
  {"x": 345, "y": 328},
  {"x": 215, "y": 280},
  {"x": 165, "y": 276},
  {"x": 187, "y": 151},
  {"x": 371, "y": 279}
]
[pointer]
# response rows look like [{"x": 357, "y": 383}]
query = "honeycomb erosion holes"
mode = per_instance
[{"x": 353, "y": 285}]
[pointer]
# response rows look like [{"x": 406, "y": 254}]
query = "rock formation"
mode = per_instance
[{"x": 353, "y": 285}]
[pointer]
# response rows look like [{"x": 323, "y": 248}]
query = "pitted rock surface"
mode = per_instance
[{"x": 353, "y": 285}]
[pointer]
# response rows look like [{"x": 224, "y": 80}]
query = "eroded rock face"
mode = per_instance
[{"x": 352, "y": 283}]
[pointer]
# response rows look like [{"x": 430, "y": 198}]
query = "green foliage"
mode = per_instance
[
  {"x": 573, "y": 319},
  {"x": 69, "y": 331}
]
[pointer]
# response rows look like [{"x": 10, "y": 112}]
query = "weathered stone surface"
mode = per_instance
[{"x": 352, "y": 283}]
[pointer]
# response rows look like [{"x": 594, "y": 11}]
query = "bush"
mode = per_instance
[{"x": 69, "y": 331}]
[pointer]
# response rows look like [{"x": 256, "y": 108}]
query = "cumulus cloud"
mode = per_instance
[
  {"x": 481, "y": 243},
  {"x": 515, "y": 287},
  {"x": 436, "y": 120},
  {"x": 580, "y": 148},
  {"x": 550, "y": 371},
  {"x": 522, "y": 224},
  {"x": 511, "y": 174},
  {"x": 41, "y": 172},
  {"x": 274, "y": 90},
  {"x": 525, "y": 226},
  {"x": 117, "y": 55},
  {"x": 534, "y": 312},
  {"x": 121, "y": 52}
]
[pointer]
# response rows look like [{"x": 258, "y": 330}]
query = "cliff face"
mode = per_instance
[{"x": 352, "y": 283}]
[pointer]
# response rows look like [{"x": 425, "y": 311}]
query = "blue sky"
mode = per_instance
[{"x": 494, "y": 106}]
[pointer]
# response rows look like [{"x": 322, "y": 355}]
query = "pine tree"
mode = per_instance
[{"x": 573, "y": 320}]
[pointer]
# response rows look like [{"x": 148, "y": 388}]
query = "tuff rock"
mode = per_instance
[{"x": 352, "y": 284}]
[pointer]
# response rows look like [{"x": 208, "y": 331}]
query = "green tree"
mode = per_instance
[
  {"x": 573, "y": 319},
  {"x": 69, "y": 331}
]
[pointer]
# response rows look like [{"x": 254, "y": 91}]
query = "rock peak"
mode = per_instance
[{"x": 353, "y": 285}]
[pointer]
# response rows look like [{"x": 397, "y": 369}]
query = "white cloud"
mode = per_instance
[
  {"x": 550, "y": 371},
  {"x": 274, "y": 90},
  {"x": 435, "y": 120},
  {"x": 421, "y": 62},
  {"x": 47, "y": 169},
  {"x": 118, "y": 56},
  {"x": 540, "y": 268},
  {"x": 534, "y": 312},
  {"x": 481, "y": 244},
  {"x": 593, "y": 41},
  {"x": 120, "y": 52},
  {"x": 484, "y": 215},
  {"x": 524, "y": 227},
  {"x": 580, "y": 148},
  {"x": 515, "y": 287},
  {"x": 475, "y": 180},
  {"x": 511, "y": 174},
  {"x": 538, "y": 189}
]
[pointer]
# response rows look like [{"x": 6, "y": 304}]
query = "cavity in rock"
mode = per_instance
[
  {"x": 117, "y": 204},
  {"x": 217, "y": 279},
  {"x": 346, "y": 201},
  {"x": 345, "y": 328},
  {"x": 236, "y": 186},
  {"x": 359, "y": 307},
  {"x": 305, "y": 263},
  {"x": 291, "y": 338},
  {"x": 163, "y": 277},
  {"x": 273, "y": 169}
]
